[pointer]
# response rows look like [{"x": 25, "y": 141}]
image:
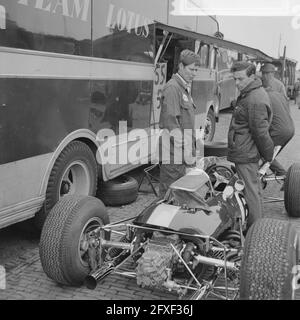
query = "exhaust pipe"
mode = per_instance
[{"x": 92, "y": 279}]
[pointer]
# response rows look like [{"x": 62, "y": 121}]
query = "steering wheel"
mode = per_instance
[{"x": 219, "y": 176}]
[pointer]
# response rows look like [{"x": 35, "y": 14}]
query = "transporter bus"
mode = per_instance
[
  {"x": 70, "y": 69},
  {"x": 74, "y": 72}
]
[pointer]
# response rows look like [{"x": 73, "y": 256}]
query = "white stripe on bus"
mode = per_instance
[{"x": 19, "y": 63}]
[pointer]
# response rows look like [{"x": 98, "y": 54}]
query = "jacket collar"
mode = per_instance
[
  {"x": 256, "y": 83},
  {"x": 181, "y": 81}
]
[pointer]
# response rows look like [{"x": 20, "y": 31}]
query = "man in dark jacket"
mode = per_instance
[
  {"x": 248, "y": 137},
  {"x": 268, "y": 79},
  {"x": 282, "y": 127}
]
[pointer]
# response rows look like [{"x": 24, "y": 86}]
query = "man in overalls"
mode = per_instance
[{"x": 177, "y": 119}]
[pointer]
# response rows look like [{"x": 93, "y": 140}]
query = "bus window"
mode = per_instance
[
  {"x": 51, "y": 28},
  {"x": 122, "y": 34},
  {"x": 213, "y": 58},
  {"x": 2, "y": 18},
  {"x": 204, "y": 55}
]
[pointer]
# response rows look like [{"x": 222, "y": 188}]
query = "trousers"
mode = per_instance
[{"x": 248, "y": 172}]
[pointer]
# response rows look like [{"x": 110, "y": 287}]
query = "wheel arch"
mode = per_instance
[{"x": 83, "y": 135}]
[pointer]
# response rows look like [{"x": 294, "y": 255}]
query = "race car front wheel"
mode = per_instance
[
  {"x": 269, "y": 261},
  {"x": 64, "y": 239}
]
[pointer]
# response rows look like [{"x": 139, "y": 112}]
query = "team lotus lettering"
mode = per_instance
[
  {"x": 78, "y": 9},
  {"x": 127, "y": 20}
]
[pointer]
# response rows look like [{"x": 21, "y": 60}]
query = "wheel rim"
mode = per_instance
[
  {"x": 75, "y": 180},
  {"x": 208, "y": 129},
  {"x": 83, "y": 244}
]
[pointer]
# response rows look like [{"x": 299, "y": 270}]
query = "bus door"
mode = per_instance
[
  {"x": 227, "y": 88},
  {"x": 204, "y": 86},
  {"x": 160, "y": 74}
]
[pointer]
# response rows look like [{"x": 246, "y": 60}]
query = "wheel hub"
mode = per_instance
[{"x": 65, "y": 187}]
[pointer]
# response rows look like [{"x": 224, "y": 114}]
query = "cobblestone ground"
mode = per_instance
[{"x": 25, "y": 279}]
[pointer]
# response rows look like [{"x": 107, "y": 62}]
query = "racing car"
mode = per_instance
[{"x": 191, "y": 242}]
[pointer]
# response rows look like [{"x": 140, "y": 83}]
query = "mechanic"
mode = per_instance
[
  {"x": 269, "y": 80},
  {"x": 297, "y": 92},
  {"x": 282, "y": 127},
  {"x": 248, "y": 135},
  {"x": 177, "y": 119}
]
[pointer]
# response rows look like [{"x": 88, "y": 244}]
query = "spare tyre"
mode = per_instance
[
  {"x": 215, "y": 148},
  {"x": 119, "y": 191}
]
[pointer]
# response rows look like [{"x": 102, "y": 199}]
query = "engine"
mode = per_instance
[
  {"x": 156, "y": 264},
  {"x": 160, "y": 265}
]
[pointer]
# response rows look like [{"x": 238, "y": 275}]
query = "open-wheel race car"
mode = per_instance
[{"x": 191, "y": 242}]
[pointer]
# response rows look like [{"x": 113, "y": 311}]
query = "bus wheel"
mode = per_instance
[
  {"x": 269, "y": 260},
  {"x": 291, "y": 191},
  {"x": 210, "y": 126},
  {"x": 64, "y": 245},
  {"x": 74, "y": 173}
]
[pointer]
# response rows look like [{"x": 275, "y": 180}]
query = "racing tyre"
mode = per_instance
[
  {"x": 210, "y": 126},
  {"x": 63, "y": 246},
  {"x": 119, "y": 191},
  {"x": 271, "y": 252},
  {"x": 217, "y": 149},
  {"x": 291, "y": 191},
  {"x": 74, "y": 173}
]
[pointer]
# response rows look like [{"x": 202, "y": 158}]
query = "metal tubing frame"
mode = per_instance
[{"x": 201, "y": 287}]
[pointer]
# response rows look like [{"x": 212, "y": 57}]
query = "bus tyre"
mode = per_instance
[
  {"x": 217, "y": 149},
  {"x": 270, "y": 253},
  {"x": 63, "y": 245},
  {"x": 210, "y": 126},
  {"x": 119, "y": 191},
  {"x": 74, "y": 172},
  {"x": 291, "y": 191}
]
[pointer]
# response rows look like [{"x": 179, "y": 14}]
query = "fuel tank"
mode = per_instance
[{"x": 166, "y": 216}]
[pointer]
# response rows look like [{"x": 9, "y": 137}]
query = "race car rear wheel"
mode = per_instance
[
  {"x": 64, "y": 243},
  {"x": 291, "y": 191},
  {"x": 271, "y": 252}
]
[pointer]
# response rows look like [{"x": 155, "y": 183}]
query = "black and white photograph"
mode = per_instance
[{"x": 149, "y": 152}]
